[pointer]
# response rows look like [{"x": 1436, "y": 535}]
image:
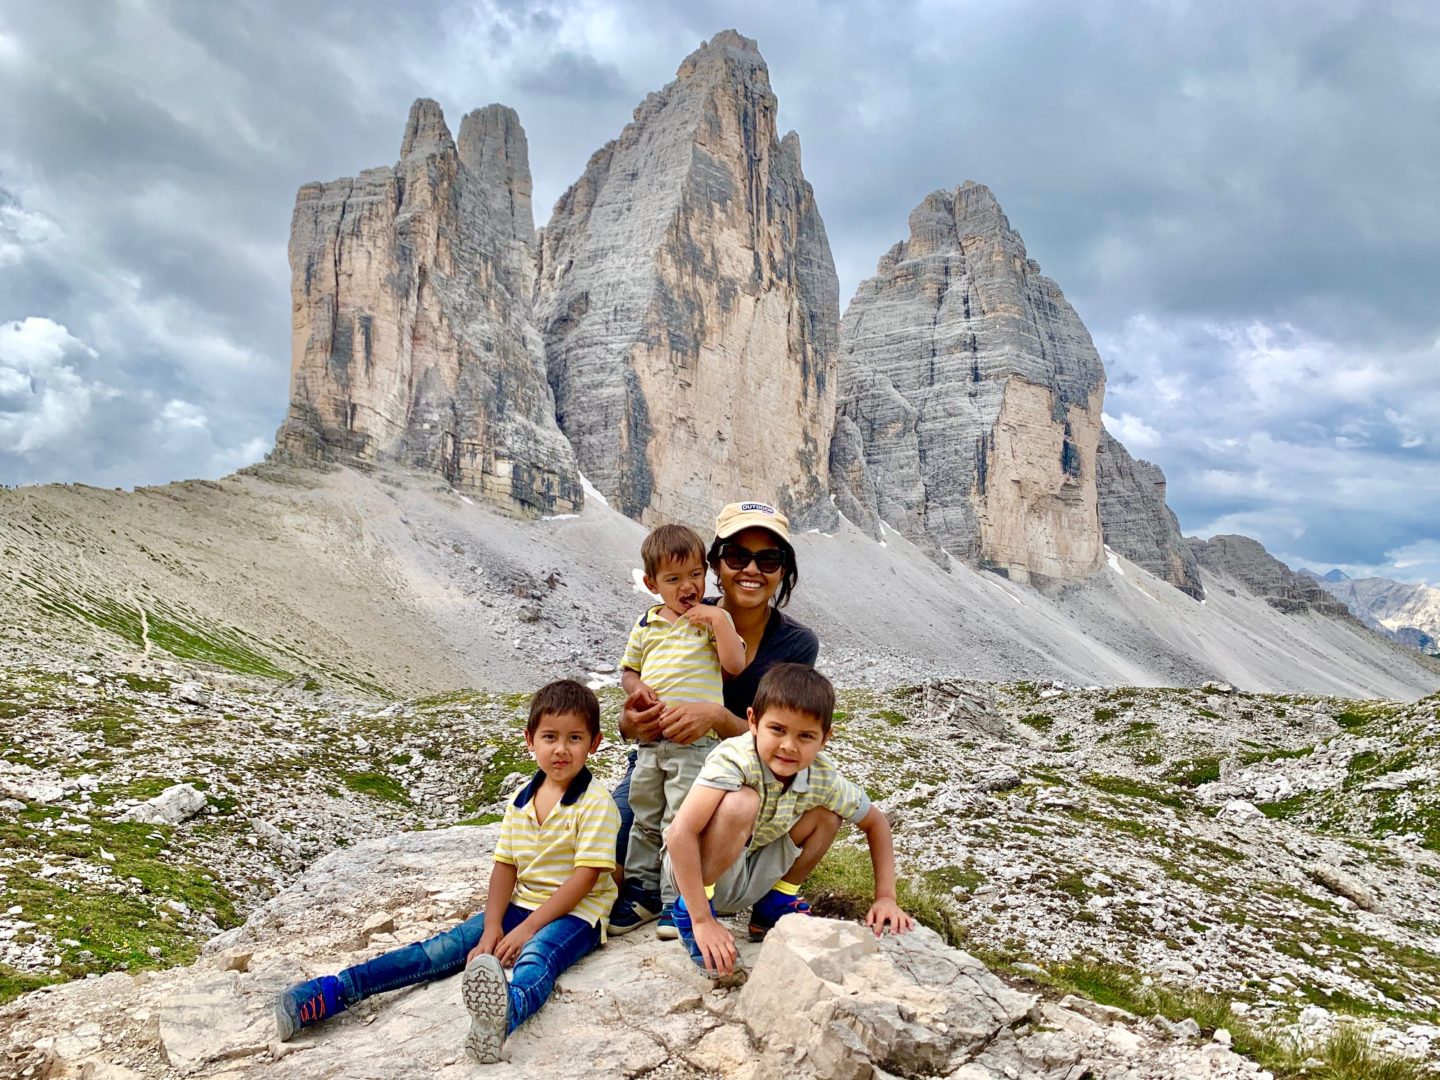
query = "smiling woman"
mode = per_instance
[{"x": 754, "y": 563}]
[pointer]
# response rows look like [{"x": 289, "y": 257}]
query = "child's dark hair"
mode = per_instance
[
  {"x": 799, "y": 688},
  {"x": 564, "y": 696},
  {"x": 791, "y": 571},
  {"x": 670, "y": 543}
]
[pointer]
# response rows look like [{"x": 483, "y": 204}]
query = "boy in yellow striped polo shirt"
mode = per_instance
[
  {"x": 549, "y": 893},
  {"x": 675, "y": 653}
]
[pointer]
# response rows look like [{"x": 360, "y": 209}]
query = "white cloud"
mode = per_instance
[
  {"x": 20, "y": 230},
  {"x": 44, "y": 400},
  {"x": 1132, "y": 431},
  {"x": 180, "y": 415}
]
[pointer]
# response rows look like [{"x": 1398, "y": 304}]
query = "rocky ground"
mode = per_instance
[{"x": 1273, "y": 860}]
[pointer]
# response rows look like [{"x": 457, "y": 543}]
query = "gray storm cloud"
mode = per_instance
[{"x": 1238, "y": 202}]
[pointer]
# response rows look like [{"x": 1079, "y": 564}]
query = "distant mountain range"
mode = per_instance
[{"x": 1409, "y": 614}]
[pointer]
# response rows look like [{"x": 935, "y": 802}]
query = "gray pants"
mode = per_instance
[{"x": 663, "y": 774}]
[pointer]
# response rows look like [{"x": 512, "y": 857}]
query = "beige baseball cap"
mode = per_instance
[{"x": 738, "y": 516}]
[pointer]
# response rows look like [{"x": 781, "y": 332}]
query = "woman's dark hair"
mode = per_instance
[{"x": 791, "y": 576}]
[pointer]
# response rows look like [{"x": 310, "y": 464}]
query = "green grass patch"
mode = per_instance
[
  {"x": 891, "y": 717},
  {"x": 1253, "y": 757},
  {"x": 1039, "y": 721},
  {"x": 1104, "y": 713},
  {"x": 377, "y": 786},
  {"x": 843, "y": 887},
  {"x": 13, "y": 983},
  {"x": 1194, "y": 772},
  {"x": 1346, "y": 1055},
  {"x": 1134, "y": 789}
]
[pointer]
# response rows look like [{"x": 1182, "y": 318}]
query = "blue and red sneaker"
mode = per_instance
[
  {"x": 769, "y": 910},
  {"x": 306, "y": 1004}
]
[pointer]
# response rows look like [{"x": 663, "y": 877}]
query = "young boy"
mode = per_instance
[
  {"x": 549, "y": 892},
  {"x": 675, "y": 653},
  {"x": 762, "y": 813}
]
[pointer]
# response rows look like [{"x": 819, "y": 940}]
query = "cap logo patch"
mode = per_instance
[{"x": 761, "y": 508}]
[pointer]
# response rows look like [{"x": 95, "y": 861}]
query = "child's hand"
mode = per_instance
[
  {"x": 709, "y": 615},
  {"x": 508, "y": 951},
  {"x": 642, "y": 697},
  {"x": 887, "y": 912},
  {"x": 489, "y": 938},
  {"x": 717, "y": 945}
]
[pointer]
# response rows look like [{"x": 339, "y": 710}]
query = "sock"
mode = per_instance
[
  {"x": 785, "y": 888},
  {"x": 709, "y": 892}
]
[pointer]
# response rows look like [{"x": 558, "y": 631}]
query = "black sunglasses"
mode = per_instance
[{"x": 738, "y": 558}]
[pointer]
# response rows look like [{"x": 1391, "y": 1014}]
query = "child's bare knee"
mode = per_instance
[
  {"x": 817, "y": 823},
  {"x": 739, "y": 806}
]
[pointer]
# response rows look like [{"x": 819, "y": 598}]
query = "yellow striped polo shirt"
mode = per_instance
[
  {"x": 579, "y": 831},
  {"x": 735, "y": 763},
  {"x": 676, "y": 659}
]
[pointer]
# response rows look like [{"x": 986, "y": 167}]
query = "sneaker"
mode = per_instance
[
  {"x": 680, "y": 916},
  {"x": 770, "y": 908},
  {"x": 306, "y": 1004},
  {"x": 634, "y": 909},
  {"x": 487, "y": 996},
  {"x": 665, "y": 928}
]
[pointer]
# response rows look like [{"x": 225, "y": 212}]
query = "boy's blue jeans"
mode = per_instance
[{"x": 554, "y": 948}]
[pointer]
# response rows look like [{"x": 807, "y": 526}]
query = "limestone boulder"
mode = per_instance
[
  {"x": 1136, "y": 522},
  {"x": 969, "y": 399},
  {"x": 833, "y": 999},
  {"x": 413, "y": 338},
  {"x": 690, "y": 306}
]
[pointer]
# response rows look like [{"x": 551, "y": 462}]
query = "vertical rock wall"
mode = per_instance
[
  {"x": 969, "y": 400},
  {"x": 1135, "y": 521},
  {"x": 413, "y": 338},
  {"x": 689, "y": 303}
]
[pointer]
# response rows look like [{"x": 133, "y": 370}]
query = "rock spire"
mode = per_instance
[
  {"x": 1135, "y": 521},
  {"x": 412, "y": 334},
  {"x": 689, "y": 302},
  {"x": 969, "y": 399}
]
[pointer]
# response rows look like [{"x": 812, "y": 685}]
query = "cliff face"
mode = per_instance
[
  {"x": 412, "y": 333},
  {"x": 689, "y": 302},
  {"x": 1248, "y": 562},
  {"x": 1135, "y": 521},
  {"x": 970, "y": 395}
]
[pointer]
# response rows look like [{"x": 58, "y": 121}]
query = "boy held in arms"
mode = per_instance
[
  {"x": 549, "y": 893},
  {"x": 676, "y": 653},
  {"x": 762, "y": 813}
]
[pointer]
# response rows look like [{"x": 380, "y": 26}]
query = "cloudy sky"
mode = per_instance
[{"x": 1239, "y": 199}]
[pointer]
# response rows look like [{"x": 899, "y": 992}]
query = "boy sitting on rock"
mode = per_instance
[
  {"x": 760, "y": 816},
  {"x": 550, "y": 890}
]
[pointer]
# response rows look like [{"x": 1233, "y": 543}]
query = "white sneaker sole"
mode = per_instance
[
  {"x": 487, "y": 996},
  {"x": 667, "y": 932}
]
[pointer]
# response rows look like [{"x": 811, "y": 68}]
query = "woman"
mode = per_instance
[{"x": 754, "y": 561}]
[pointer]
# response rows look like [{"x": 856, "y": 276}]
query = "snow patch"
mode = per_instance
[
  {"x": 637, "y": 582},
  {"x": 1114, "y": 561},
  {"x": 591, "y": 491}
]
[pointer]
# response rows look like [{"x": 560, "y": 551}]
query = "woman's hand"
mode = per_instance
[
  {"x": 638, "y": 720},
  {"x": 686, "y": 721}
]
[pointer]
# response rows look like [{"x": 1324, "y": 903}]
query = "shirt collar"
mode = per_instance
[{"x": 572, "y": 793}]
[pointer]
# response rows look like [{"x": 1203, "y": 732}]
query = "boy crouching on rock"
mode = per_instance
[
  {"x": 550, "y": 891},
  {"x": 763, "y": 811}
]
